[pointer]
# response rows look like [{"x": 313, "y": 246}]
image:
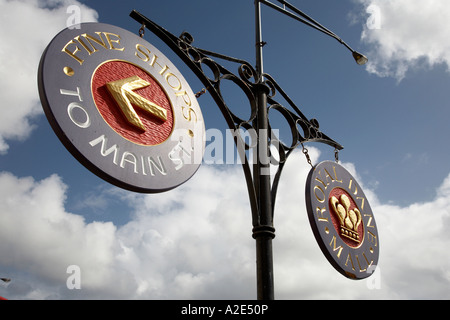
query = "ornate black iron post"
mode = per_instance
[
  {"x": 260, "y": 89},
  {"x": 264, "y": 232}
]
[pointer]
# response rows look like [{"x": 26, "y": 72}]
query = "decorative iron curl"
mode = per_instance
[
  {"x": 310, "y": 128},
  {"x": 201, "y": 59},
  {"x": 296, "y": 120}
]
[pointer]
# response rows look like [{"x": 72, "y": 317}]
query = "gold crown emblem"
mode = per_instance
[{"x": 349, "y": 219}]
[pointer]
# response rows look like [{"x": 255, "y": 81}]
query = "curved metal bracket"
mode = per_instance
[{"x": 302, "y": 129}]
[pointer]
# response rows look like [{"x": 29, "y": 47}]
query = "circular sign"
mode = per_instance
[
  {"x": 121, "y": 108},
  {"x": 342, "y": 220}
]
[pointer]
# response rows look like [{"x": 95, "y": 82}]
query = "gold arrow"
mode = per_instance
[{"x": 122, "y": 92}]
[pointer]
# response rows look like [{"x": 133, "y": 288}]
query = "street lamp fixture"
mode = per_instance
[{"x": 360, "y": 58}]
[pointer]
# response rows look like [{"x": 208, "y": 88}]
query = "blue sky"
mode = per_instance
[{"x": 391, "y": 116}]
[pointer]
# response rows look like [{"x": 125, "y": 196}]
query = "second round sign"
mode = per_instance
[{"x": 342, "y": 220}]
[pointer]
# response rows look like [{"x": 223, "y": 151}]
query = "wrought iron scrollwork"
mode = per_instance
[{"x": 197, "y": 59}]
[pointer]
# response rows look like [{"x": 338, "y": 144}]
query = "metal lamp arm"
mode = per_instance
[{"x": 307, "y": 20}]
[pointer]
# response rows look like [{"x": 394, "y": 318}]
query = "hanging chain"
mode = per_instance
[
  {"x": 336, "y": 155},
  {"x": 305, "y": 152},
  {"x": 200, "y": 93},
  {"x": 142, "y": 31}
]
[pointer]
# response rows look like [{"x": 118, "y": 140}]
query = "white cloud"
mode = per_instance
[
  {"x": 404, "y": 34},
  {"x": 22, "y": 46},
  {"x": 38, "y": 237},
  {"x": 195, "y": 242}
]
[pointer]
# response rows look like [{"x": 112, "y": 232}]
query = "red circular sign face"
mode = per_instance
[
  {"x": 346, "y": 217},
  {"x": 155, "y": 130}
]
